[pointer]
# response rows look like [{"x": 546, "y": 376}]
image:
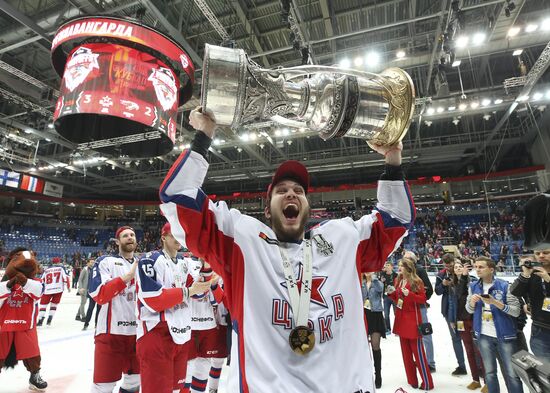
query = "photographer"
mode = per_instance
[{"x": 534, "y": 283}]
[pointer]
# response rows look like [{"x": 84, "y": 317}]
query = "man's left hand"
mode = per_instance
[{"x": 542, "y": 273}]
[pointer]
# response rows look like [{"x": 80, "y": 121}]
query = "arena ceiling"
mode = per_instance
[{"x": 485, "y": 117}]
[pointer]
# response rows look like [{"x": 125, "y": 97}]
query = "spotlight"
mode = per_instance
[
  {"x": 478, "y": 38},
  {"x": 50, "y": 126},
  {"x": 523, "y": 98},
  {"x": 545, "y": 25},
  {"x": 372, "y": 59},
  {"x": 474, "y": 105},
  {"x": 537, "y": 96},
  {"x": 531, "y": 28},
  {"x": 461, "y": 41},
  {"x": 498, "y": 101},
  {"x": 345, "y": 63},
  {"x": 286, "y": 131},
  {"x": 517, "y": 52},
  {"x": 486, "y": 102},
  {"x": 456, "y": 120},
  {"x": 430, "y": 111},
  {"x": 513, "y": 31},
  {"x": 451, "y": 108},
  {"x": 462, "y": 106},
  {"x": 400, "y": 54},
  {"x": 456, "y": 63},
  {"x": 358, "y": 62},
  {"x": 486, "y": 117},
  {"x": 428, "y": 123}
]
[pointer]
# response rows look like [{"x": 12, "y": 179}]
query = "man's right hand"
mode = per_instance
[
  {"x": 474, "y": 299},
  {"x": 131, "y": 273},
  {"x": 204, "y": 122},
  {"x": 199, "y": 287}
]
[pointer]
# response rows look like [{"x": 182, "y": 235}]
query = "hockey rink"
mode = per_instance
[{"x": 67, "y": 356}]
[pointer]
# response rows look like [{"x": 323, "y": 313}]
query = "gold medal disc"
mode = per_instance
[{"x": 301, "y": 340}]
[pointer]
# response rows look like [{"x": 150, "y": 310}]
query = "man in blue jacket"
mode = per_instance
[{"x": 495, "y": 310}]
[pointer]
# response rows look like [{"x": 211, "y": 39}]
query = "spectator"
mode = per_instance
[
  {"x": 83, "y": 280},
  {"x": 408, "y": 293},
  {"x": 427, "y": 339},
  {"x": 372, "y": 290},
  {"x": 494, "y": 310},
  {"x": 442, "y": 283},
  {"x": 460, "y": 282},
  {"x": 534, "y": 283},
  {"x": 387, "y": 277}
]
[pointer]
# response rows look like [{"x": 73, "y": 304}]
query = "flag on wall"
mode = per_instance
[
  {"x": 52, "y": 189},
  {"x": 9, "y": 179},
  {"x": 31, "y": 183}
]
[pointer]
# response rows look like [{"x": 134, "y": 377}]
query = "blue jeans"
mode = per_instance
[
  {"x": 540, "y": 343},
  {"x": 490, "y": 348},
  {"x": 457, "y": 346},
  {"x": 387, "y": 304},
  {"x": 427, "y": 340}
]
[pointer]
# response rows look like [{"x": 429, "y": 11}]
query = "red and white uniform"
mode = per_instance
[
  {"x": 118, "y": 299},
  {"x": 55, "y": 278},
  {"x": 246, "y": 254},
  {"x": 18, "y": 313}
]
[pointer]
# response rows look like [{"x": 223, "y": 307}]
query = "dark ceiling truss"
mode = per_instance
[{"x": 331, "y": 30}]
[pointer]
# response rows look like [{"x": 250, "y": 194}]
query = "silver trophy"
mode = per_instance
[{"x": 331, "y": 101}]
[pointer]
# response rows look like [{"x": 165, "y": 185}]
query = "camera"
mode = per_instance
[{"x": 531, "y": 264}]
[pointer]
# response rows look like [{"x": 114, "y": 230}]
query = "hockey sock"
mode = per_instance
[
  {"x": 42, "y": 311},
  {"x": 215, "y": 372},
  {"x": 199, "y": 379},
  {"x": 53, "y": 309},
  {"x": 130, "y": 383}
]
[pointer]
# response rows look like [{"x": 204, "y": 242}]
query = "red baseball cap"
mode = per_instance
[
  {"x": 290, "y": 170},
  {"x": 165, "y": 229},
  {"x": 123, "y": 228}
]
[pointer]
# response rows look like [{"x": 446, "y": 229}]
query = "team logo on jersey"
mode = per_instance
[
  {"x": 82, "y": 62},
  {"x": 317, "y": 283},
  {"x": 165, "y": 87},
  {"x": 324, "y": 247},
  {"x": 184, "y": 61}
]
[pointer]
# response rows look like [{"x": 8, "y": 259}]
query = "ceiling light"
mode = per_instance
[
  {"x": 358, "y": 62},
  {"x": 245, "y": 137},
  {"x": 430, "y": 111},
  {"x": 548, "y": 94},
  {"x": 513, "y": 31},
  {"x": 286, "y": 131},
  {"x": 498, "y": 101},
  {"x": 537, "y": 96},
  {"x": 50, "y": 126},
  {"x": 478, "y": 38},
  {"x": 345, "y": 63},
  {"x": 451, "y": 108},
  {"x": 456, "y": 120},
  {"x": 28, "y": 131},
  {"x": 372, "y": 59},
  {"x": 278, "y": 132},
  {"x": 486, "y": 117},
  {"x": 428, "y": 123},
  {"x": 517, "y": 52},
  {"x": 48, "y": 139},
  {"x": 462, "y": 106},
  {"x": 486, "y": 102},
  {"x": 253, "y": 136},
  {"x": 545, "y": 25},
  {"x": 474, "y": 105},
  {"x": 530, "y": 28},
  {"x": 461, "y": 41},
  {"x": 400, "y": 54},
  {"x": 523, "y": 98},
  {"x": 456, "y": 63},
  {"x": 216, "y": 141},
  {"x": 440, "y": 109}
]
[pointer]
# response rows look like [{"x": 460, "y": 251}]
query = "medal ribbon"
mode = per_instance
[{"x": 299, "y": 302}]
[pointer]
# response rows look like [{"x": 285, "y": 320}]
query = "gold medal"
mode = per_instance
[
  {"x": 460, "y": 326},
  {"x": 546, "y": 304},
  {"x": 301, "y": 340}
]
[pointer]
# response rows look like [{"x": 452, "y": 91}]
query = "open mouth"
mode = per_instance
[{"x": 291, "y": 211}]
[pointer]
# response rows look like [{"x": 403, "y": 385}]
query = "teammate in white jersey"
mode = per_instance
[
  {"x": 55, "y": 278},
  {"x": 295, "y": 297},
  {"x": 164, "y": 317},
  {"x": 113, "y": 288}
]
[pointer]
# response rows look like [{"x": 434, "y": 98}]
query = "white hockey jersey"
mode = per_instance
[
  {"x": 157, "y": 278},
  {"x": 246, "y": 253},
  {"x": 55, "y": 278},
  {"x": 117, "y": 299}
]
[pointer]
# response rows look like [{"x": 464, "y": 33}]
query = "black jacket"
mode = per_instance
[
  {"x": 535, "y": 290},
  {"x": 421, "y": 272},
  {"x": 442, "y": 290}
]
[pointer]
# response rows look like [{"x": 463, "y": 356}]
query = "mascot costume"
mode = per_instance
[{"x": 20, "y": 292}]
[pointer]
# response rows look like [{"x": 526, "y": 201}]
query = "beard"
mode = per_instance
[
  {"x": 128, "y": 247},
  {"x": 286, "y": 234}
]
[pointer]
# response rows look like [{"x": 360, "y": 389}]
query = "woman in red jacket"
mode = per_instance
[{"x": 407, "y": 295}]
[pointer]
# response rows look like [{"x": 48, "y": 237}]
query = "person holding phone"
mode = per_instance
[
  {"x": 494, "y": 310},
  {"x": 534, "y": 284}
]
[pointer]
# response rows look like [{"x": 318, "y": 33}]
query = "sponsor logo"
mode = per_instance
[
  {"x": 180, "y": 330},
  {"x": 184, "y": 61},
  {"x": 127, "y": 323},
  {"x": 202, "y": 319},
  {"x": 82, "y": 62},
  {"x": 93, "y": 27},
  {"x": 165, "y": 87},
  {"x": 15, "y": 321}
]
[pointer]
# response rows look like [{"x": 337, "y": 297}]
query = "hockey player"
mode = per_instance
[
  {"x": 55, "y": 278},
  {"x": 164, "y": 317},
  {"x": 295, "y": 298},
  {"x": 205, "y": 334},
  {"x": 19, "y": 294},
  {"x": 113, "y": 287}
]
